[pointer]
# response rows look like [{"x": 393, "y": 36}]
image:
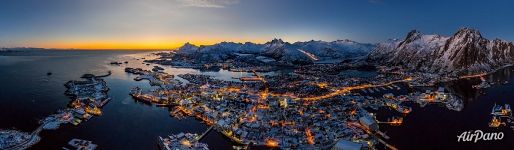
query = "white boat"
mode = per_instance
[
  {"x": 499, "y": 110},
  {"x": 82, "y": 144}
]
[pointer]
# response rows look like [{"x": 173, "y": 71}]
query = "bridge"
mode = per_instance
[
  {"x": 377, "y": 135},
  {"x": 204, "y": 133},
  {"x": 34, "y": 138}
]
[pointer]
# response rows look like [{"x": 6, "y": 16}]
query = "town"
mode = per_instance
[{"x": 290, "y": 110}]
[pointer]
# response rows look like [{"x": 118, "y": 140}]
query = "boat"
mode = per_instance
[
  {"x": 94, "y": 111},
  {"x": 86, "y": 117},
  {"x": 136, "y": 94},
  {"x": 82, "y": 144},
  {"x": 240, "y": 147},
  {"x": 135, "y": 91},
  {"x": 395, "y": 121},
  {"x": 495, "y": 122},
  {"x": 403, "y": 98},
  {"x": 501, "y": 111},
  {"x": 506, "y": 111},
  {"x": 404, "y": 109},
  {"x": 482, "y": 85},
  {"x": 101, "y": 104},
  {"x": 76, "y": 121}
]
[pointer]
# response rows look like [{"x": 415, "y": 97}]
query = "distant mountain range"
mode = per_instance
[
  {"x": 463, "y": 53},
  {"x": 278, "y": 50},
  {"x": 22, "y": 49}
]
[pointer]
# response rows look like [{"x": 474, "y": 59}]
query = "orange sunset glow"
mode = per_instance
[{"x": 138, "y": 43}]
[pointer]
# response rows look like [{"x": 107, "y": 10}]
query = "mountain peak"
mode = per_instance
[
  {"x": 413, "y": 34},
  {"x": 463, "y": 53},
  {"x": 468, "y": 32},
  {"x": 187, "y": 47},
  {"x": 276, "y": 41},
  {"x": 187, "y": 44},
  {"x": 346, "y": 41}
]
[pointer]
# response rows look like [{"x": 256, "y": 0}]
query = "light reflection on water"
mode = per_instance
[
  {"x": 435, "y": 127},
  {"x": 27, "y": 94}
]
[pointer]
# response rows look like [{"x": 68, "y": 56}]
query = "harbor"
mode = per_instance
[
  {"x": 205, "y": 93},
  {"x": 122, "y": 108}
]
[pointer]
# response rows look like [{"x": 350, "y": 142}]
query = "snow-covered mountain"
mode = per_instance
[
  {"x": 187, "y": 48},
  {"x": 463, "y": 53},
  {"x": 284, "y": 52}
]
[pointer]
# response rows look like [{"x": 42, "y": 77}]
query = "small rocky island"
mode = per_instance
[{"x": 88, "y": 96}]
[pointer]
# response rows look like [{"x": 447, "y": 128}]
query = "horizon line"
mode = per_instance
[
  {"x": 174, "y": 46},
  {"x": 89, "y": 47}
]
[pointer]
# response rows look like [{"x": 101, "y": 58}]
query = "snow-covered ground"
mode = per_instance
[{"x": 13, "y": 139}]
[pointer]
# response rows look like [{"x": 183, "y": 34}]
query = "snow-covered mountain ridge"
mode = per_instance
[
  {"x": 464, "y": 52},
  {"x": 284, "y": 52}
]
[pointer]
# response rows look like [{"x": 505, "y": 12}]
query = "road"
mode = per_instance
[
  {"x": 34, "y": 138},
  {"x": 345, "y": 90}
]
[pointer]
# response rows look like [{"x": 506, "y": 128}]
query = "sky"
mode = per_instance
[{"x": 167, "y": 24}]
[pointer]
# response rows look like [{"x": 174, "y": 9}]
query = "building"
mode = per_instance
[
  {"x": 347, "y": 145},
  {"x": 368, "y": 122},
  {"x": 389, "y": 96},
  {"x": 284, "y": 102}
]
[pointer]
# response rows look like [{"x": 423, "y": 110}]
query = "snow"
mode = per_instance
[
  {"x": 9, "y": 138},
  {"x": 279, "y": 50},
  {"x": 464, "y": 52}
]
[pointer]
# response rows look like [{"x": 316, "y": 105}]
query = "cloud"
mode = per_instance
[{"x": 208, "y": 3}]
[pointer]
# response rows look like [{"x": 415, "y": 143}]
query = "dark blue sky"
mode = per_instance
[{"x": 169, "y": 23}]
